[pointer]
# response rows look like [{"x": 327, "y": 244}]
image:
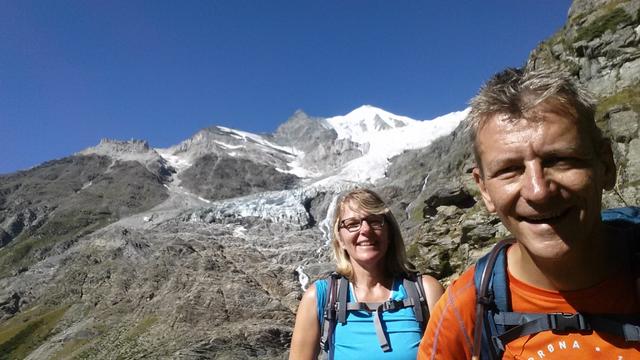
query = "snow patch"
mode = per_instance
[
  {"x": 240, "y": 232},
  {"x": 385, "y": 144},
  {"x": 302, "y": 278},
  {"x": 246, "y": 136},
  {"x": 365, "y": 120},
  {"x": 228, "y": 146},
  {"x": 175, "y": 161}
]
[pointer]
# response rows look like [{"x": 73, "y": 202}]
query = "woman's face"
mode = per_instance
[{"x": 368, "y": 245}]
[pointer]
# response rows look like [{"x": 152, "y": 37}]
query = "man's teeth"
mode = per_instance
[{"x": 542, "y": 217}]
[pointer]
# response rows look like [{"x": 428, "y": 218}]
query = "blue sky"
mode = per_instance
[{"x": 73, "y": 72}]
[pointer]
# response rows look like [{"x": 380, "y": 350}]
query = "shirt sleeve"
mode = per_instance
[{"x": 449, "y": 333}]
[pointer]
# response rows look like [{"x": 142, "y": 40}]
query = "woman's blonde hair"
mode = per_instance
[{"x": 395, "y": 261}]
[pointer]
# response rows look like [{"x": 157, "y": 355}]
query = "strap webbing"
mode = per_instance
[
  {"x": 329, "y": 323},
  {"x": 532, "y": 323},
  {"x": 490, "y": 279},
  {"x": 413, "y": 292},
  {"x": 388, "y": 305},
  {"x": 337, "y": 308},
  {"x": 341, "y": 303},
  {"x": 382, "y": 337}
]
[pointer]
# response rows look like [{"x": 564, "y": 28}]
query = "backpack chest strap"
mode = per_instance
[
  {"x": 388, "y": 305},
  {"x": 377, "y": 308},
  {"x": 523, "y": 324}
]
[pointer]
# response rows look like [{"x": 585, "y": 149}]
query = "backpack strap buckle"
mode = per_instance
[
  {"x": 392, "y": 305},
  {"x": 566, "y": 322}
]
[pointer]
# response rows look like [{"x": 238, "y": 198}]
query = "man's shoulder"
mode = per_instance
[{"x": 462, "y": 291}]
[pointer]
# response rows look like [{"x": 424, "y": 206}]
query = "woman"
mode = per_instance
[{"x": 369, "y": 251}]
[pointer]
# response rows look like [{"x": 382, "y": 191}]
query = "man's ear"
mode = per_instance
[
  {"x": 478, "y": 178},
  {"x": 609, "y": 166}
]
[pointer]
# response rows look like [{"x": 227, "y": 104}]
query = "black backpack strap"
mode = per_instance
[
  {"x": 329, "y": 315},
  {"x": 415, "y": 291},
  {"x": 341, "y": 303},
  {"x": 389, "y": 305},
  {"x": 490, "y": 279},
  {"x": 523, "y": 324}
]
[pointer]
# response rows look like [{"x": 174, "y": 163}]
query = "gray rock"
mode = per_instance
[
  {"x": 624, "y": 125},
  {"x": 632, "y": 169}
]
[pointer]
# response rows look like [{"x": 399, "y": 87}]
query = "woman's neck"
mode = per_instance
[{"x": 372, "y": 286}]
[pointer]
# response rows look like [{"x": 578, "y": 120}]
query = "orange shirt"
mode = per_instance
[{"x": 449, "y": 334}]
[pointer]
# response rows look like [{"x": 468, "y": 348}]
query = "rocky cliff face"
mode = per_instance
[
  {"x": 201, "y": 250},
  {"x": 600, "y": 45}
]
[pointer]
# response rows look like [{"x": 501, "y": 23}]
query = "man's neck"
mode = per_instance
[{"x": 577, "y": 270}]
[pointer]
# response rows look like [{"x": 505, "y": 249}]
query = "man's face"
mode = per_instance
[{"x": 544, "y": 179}]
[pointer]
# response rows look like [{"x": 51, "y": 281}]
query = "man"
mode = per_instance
[{"x": 541, "y": 166}]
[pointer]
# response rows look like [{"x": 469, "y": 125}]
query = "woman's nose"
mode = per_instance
[{"x": 364, "y": 226}]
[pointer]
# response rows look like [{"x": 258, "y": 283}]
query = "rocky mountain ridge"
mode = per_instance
[{"x": 229, "y": 223}]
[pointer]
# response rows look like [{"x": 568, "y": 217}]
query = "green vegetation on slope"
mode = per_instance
[
  {"x": 599, "y": 26},
  {"x": 25, "y": 332},
  {"x": 628, "y": 97},
  {"x": 72, "y": 197}
]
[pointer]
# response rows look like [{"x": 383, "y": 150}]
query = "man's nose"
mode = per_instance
[{"x": 536, "y": 185}]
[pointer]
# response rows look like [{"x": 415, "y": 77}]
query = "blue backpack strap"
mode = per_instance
[
  {"x": 491, "y": 281},
  {"x": 623, "y": 215},
  {"x": 628, "y": 219}
]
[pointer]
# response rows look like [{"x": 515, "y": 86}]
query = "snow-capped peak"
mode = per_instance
[{"x": 361, "y": 123}]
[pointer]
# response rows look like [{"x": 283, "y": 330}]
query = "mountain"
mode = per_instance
[
  {"x": 202, "y": 250},
  {"x": 195, "y": 250}
]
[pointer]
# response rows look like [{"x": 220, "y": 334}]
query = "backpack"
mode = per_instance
[
  {"x": 496, "y": 325},
  {"x": 336, "y": 308}
]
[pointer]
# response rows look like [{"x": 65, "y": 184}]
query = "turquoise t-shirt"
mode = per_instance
[{"x": 357, "y": 338}]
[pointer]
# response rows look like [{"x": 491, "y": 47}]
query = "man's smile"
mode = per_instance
[{"x": 550, "y": 217}]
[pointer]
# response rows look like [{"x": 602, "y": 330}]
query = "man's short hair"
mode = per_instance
[{"x": 514, "y": 92}]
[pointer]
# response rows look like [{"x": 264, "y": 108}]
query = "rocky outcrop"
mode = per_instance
[
  {"x": 600, "y": 44},
  {"x": 216, "y": 178},
  {"x": 132, "y": 150},
  {"x": 319, "y": 142},
  {"x": 48, "y": 208}
]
